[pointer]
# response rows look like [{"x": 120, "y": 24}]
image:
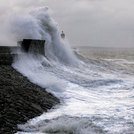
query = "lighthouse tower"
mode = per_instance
[{"x": 62, "y": 35}]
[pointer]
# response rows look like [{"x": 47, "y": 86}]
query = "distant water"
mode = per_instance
[{"x": 97, "y": 96}]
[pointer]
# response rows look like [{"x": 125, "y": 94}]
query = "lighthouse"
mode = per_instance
[{"x": 62, "y": 35}]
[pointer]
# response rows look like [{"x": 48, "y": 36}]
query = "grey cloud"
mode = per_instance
[
  {"x": 8, "y": 8},
  {"x": 96, "y": 22},
  {"x": 85, "y": 22}
]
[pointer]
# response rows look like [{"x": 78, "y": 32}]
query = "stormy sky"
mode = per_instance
[{"x": 107, "y": 23}]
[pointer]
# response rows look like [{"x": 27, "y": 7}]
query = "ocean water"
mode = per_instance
[
  {"x": 95, "y": 85},
  {"x": 97, "y": 96}
]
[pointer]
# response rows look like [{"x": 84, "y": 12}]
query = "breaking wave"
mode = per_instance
[
  {"x": 38, "y": 24},
  {"x": 96, "y": 97}
]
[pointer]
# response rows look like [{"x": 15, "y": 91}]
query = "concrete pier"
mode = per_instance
[
  {"x": 27, "y": 45},
  {"x": 33, "y": 46}
]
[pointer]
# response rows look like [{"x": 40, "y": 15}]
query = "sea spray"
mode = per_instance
[
  {"x": 64, "y": 125},
  {"x": 94, "y": 100},
  {"x": 38, "y": 24}
]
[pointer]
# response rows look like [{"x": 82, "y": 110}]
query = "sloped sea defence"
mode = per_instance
[{"x": 20, "y": 100}]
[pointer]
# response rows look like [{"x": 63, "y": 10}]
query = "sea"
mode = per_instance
[{"x": 95, "y": 85}]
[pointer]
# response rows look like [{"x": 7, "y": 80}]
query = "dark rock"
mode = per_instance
[
  {"x": 6, "y": 56},
  {"x": 20, "y": 100}
]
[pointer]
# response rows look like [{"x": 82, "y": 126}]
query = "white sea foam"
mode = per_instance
[
  {"x": 66, "y": 125},
  {"x": 94, "y": 99}
]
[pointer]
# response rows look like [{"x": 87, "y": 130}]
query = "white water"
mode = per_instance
[
  {"x": 95, "y": 98},
  {"x": 89, "y": 98}
]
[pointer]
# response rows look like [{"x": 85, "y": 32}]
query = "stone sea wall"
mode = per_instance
[
  {"x": 6, "y": 58},
  {"x": 20, "y": 100}
]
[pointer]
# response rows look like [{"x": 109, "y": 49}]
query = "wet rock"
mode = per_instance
[{"x": 20, "y": 100}]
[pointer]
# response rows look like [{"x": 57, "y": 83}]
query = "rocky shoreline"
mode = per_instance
[{"x": 20, "y": 100}]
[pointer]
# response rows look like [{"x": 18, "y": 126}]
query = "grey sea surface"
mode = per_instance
[
  {"x": 97, "y": 96},
  {"x": 121, "y": 59}
]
